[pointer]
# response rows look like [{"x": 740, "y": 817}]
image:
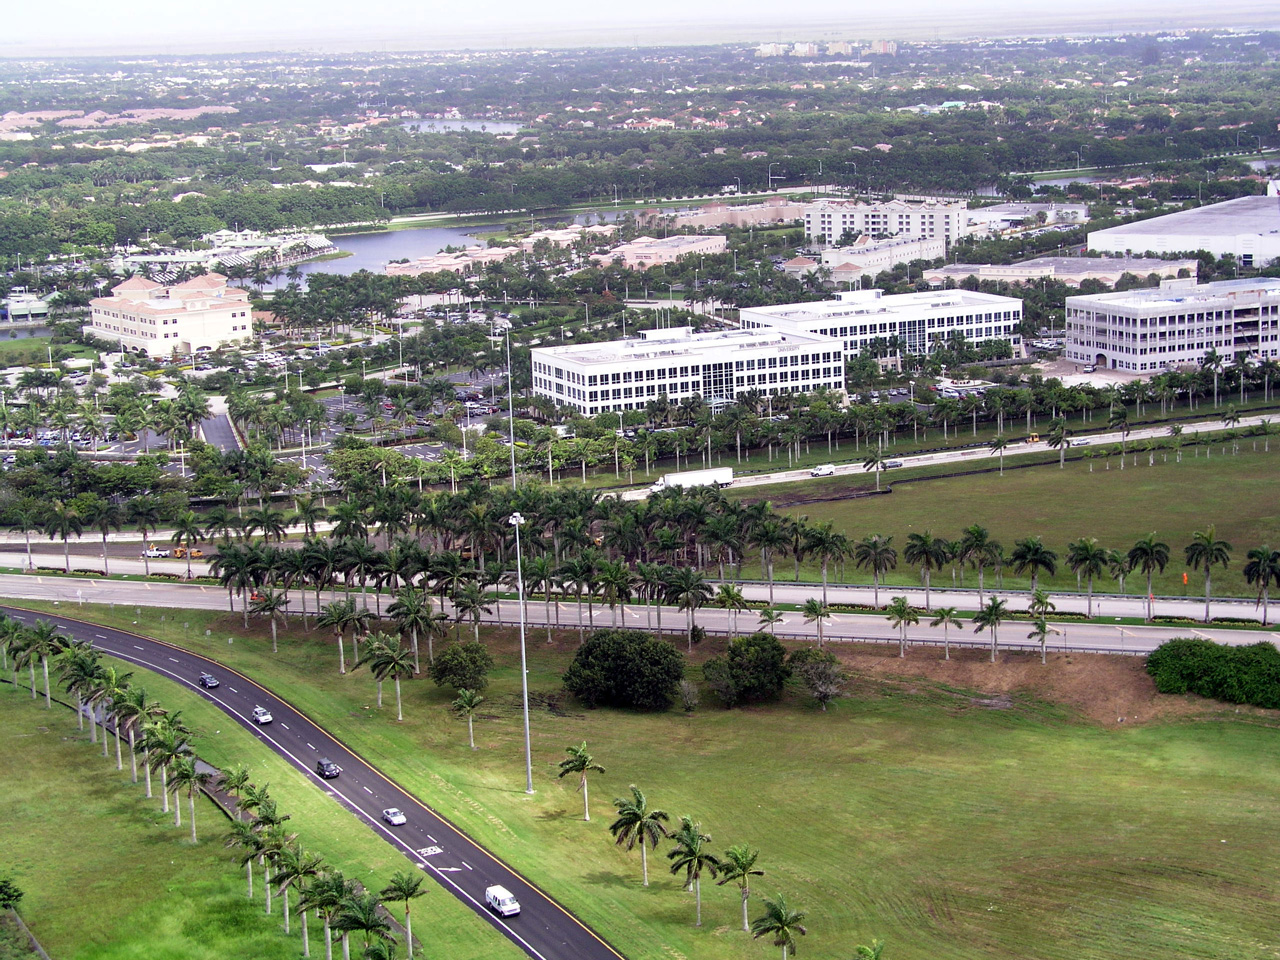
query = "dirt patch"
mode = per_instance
[{"x": 1109, "y": 690}]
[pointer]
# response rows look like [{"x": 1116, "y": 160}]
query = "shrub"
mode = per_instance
[
  {"x": 1235, "y": 674},
  {"x": 462, "y": 666},
  {"x": 625, "y": 668},
  {"x": 754, "y": 669}
]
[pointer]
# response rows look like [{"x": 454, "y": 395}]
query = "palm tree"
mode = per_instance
[
  {"x": 392, "y": 659},
  {"x": 104, "y": 516},
  {"x": 1148, "y": 555},
  {"x": 145, "y": 514},
  {"x": 465, "y": 706},
  {"x": 1060, "y": 438},
  {"x": 1262, "y": 567},
  {"x": 325, "y": 895},
  {"x": 271, "y": 604},
  {"x": 636, "y": 823},
  {"x": 769, "y": 617},
  {"x": 874, "y": 461},
  {"x": 901, "y": 614},
  {"x": 63, "y": 520},
  {"x": 731, "y": 598},
  {"x": 876, "y": 552},
  {"x": 739, "y": 866},
  {"x": 469, "y": 601},
  {"x": 188, "y": 531},
  {"x": 815, "y": 611},
  {"x": 244, "y": 837},
  {"x": 977, "y": 548},
  {"x": 946, "y": 617},
  {"x": 337, "y": 616},
  {"x": 828, "y": 545},
  {"x": 1206, "y": 551},
  {"x": 1031, "y": 554},
  {"x": 232, "y": 781},
  {"x": 990, "y": 618},
  {"x": 929, "y": 553},
  {"x": 1040, "y": 634},
  {"x": 404, "y": 886},
  {"x": 359, "y": 914},
  {"x": 691, "y": 856},
  {"x": 581, "y": 763},
  {"x": 1087, "y": 559},
  {"x": 997, "y": 446},
  {"x": 411, "y": 612},
  {"x": 44, "y": 642},
  {"x": 294, "y": 867},
  {"x": 769, "y": 536},
  {"x": 688, "y": 589},
  {"x": 781, "y": 921},
  {"x": 187, "y": 775}
]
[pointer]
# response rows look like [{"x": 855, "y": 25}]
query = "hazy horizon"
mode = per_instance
[{"x": 76, "y": 28}]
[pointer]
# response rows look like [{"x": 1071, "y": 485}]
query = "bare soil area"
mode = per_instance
[{"x": 1105, "y": 689}]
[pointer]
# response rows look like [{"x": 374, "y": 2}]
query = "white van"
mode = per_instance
[
  {"x": 501, "y": 902},
  {"x": 825, "y": 470}
]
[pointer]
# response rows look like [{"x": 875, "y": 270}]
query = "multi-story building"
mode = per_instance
[
  {"x": 1071, "y": 271},
  {"x": 1150, "y": 330},
  {"x": 677, "y": 363},
  {"x": 866, "y": 257},
  {"x": 930, "y": 218},
  {"x": 918, "y": 322},
  {"x": 145, "y": 316},
  {"x": 1247, "y": 228},
  {"x": 644, "y": 252}
]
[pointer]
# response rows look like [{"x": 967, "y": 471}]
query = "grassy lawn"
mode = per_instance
[
  {"x": 132, "y": 885},
  {"x": 908, "y": 812},
  {"x": 1235, "y": 493}
]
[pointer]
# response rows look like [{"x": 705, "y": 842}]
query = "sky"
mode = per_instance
[{"x": 71, "y": 27}]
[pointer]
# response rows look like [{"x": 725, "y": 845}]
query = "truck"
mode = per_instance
[{"x": 714, "y": 477}]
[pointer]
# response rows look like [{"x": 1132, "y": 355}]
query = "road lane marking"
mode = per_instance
[
  {"x": 367, "y": 790},
  {"x": 284, "y": 727},
  {"x": 467, "y": 865},
  {"x": 432, "y": 839},
  {"x": 310, "y": 747},
  {"x": 174, "y": 660},
  {"x": 233, "y": 689}
]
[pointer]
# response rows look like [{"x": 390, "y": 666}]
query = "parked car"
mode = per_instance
[
  {"x": 208, "y": 681},
  {"x": 261, "y": 715},
  {"x": 394, "y": 816},
  {"x": 501, "y": 901},
  {"x": 153, "y": 552},
  {"x": 326, "y": 769}
]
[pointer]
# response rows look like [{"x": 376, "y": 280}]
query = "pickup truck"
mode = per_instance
[{"x": 153, "y": 552}]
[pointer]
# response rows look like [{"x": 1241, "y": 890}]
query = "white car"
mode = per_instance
[
  {"x": 154, "y": 552},
  {"x": 501, "y": 902},
  {"x": 825, "y": 470},
  {"x": 261, "y": 715},
  {"x": 394, "y": 816}
]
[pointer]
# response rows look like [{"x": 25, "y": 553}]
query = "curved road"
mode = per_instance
[{"x": 543, "y": 929}]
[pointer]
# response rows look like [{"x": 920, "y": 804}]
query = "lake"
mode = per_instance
[{"x": 372, "y": 251}]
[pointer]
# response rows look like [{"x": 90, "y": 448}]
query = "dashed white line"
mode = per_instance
[
  {"x": 135, "y": 646},
  {"x": 233, "y": 689},
  {"x": 367, "y": 790},
  {"x": 283, "y": 727},
  {"x": 101, "y": 637},
  {"x": 432, "y": 839},
  {"x": 171, "y": 659},
  {"x": 310, "y": 747},
  {"x": 467, "y": 865}
]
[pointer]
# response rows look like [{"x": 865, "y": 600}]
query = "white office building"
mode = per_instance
[
  {"x": 145, "y": 316},
  {"x": 677, "y": 363},
  {"x": 1150, "y": 330},
  {"x": 1247, "y": 227},
  {"x": 925, "y": 218},
  {"x": 921, "y": 322}
]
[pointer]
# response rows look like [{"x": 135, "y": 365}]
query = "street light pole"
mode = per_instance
[
  {"x": 511, "y": 419},
  {"x": 516, "y": 520}
]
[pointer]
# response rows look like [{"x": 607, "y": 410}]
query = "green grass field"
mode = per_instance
[
  {"x": 1235, "y": 493},
  {"x": 907, "y": 812},
  {"x": 108, "y": 877}
]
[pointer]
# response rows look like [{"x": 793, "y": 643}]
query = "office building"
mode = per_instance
[
  {"x": 1071, "y": 271},
  {"x": 1149, "y": 330},
  {"x": 918, "y": 322},
  {"x": 924, "y": 218},
  {"x": 145, "y": 316},
  {"x": 1247, "y": 228},
  {"x": 677, "y": 363}
]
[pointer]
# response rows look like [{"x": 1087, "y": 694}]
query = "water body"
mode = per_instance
[
  {"x": 472, "y": 126},
  {"x": 372, "y": 251}
]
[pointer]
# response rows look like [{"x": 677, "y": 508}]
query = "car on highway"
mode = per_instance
[
  {"x": 208, "y": 681},
  {"x": 891, "y": 464},
  {"x": 500, "y": 901},
  {"x": 326, "y": 769},
  {"x": 823, "y": 470},
  {"x": 394, "y": 816},
  {"x": 261, "y": 715}
]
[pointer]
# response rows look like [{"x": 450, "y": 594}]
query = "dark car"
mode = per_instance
[
  {"x": 208, "y": 680},
  {"x": 327, "y": 769}
]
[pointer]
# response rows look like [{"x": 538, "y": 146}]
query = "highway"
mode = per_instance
[{"x": 543, "y": 929}]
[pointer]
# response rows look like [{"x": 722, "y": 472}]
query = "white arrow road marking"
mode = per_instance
[{"x": 449, "y": 869}]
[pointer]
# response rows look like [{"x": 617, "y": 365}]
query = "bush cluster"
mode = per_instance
[
  {"x": 1235, "y": 674},
  {"x": 625, "y": 668}
]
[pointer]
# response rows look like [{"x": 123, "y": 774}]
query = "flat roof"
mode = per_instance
[
  {"x": 854, "y": 306},
  {"x": 623, "y": 351},
  {"x": 1255, "y": 215},
  {"x": 1184, "y": 292}
]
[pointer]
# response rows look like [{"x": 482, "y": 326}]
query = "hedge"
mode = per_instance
[{"x": 1249, "y": 674}]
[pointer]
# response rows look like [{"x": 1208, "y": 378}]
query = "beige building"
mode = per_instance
[
  {"x": 145, "y": 316},
  {"x": 644, "y": 252},
  {"x": 1069, "y": 270},
  {"x": 773, "y": 210},
  {"x": 928, "y": 218}
]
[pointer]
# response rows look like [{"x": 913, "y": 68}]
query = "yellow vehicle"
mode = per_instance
[
  {"x": 1033, "y": 438},
  {"x": 181, "y": 553}
]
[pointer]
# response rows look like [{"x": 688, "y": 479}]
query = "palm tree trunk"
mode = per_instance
[
  {"x": 746, "y": 927},
  {"x": 266, "y": 882},
  {"x": 644, "y": 862},
  {"x": 248, "y": 872},
  {"x": 306, "y": 940},
  {"x": 146, "y": 767},
  {"x": 285, "y": 905},
  {"x": 119, "y": 758},
  {"x": 328, "y": 940},
  {"x": 417, "y": 663},
  {"x": 399, "y": 712},
  {"x": 408, "y": 929},
  {"x": 471, "y": 733},
  {"x": 48, "y": 702},
  {"x": 164, "y": 789},
  {"x": 177, "y": 809},
  {"x": 346, "y": 947},
  {"x": 342, "y": 657},
  {"x": 133, "y": 758},
  {"x": 191, "y": 798},
  {"x": 586, "y": 806},
  {"x": 697, "y": 900}
]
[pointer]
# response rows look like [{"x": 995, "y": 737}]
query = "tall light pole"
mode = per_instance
[
  {"x": 511, "y": 426},
  {"x": 516, "y": 520}
]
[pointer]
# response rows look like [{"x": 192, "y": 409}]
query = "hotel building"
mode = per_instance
[{"x": 145, "y": 316}]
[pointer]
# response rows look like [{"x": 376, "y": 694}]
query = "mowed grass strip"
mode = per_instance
[
  {"x": 1235, "y": 493},
  {"x": 907, "y": 812},
  {"x": 108, "y": 876}
]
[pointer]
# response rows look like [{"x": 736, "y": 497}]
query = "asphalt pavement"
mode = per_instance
[{"x": 543, "y": 929}]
